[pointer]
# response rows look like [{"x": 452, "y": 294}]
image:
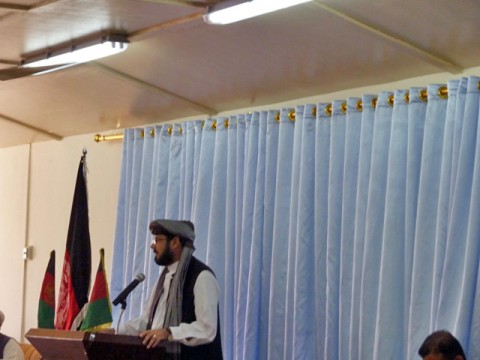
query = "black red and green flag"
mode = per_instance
[
  {"x": 99, "y": 311},
  {"x": 75, "y": 281},
  {"x": 46, "y": 303}
]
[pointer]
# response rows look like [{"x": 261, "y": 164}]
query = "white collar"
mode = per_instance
[{"x": 172, "y": 268}]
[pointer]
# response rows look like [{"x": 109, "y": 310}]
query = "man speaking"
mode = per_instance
[{"x": 182, "y": 311}]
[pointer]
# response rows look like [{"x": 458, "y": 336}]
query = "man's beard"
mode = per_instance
[{"x": 166, "y": 258}]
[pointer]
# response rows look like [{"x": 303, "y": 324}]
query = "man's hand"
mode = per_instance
[{"x": 152, "y": 338}]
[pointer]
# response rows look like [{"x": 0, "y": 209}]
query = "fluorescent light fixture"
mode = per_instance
[
  {"x": 230, "y": 11},
  {"x": 79, "y": 52}
]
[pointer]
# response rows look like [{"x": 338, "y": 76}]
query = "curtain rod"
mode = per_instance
[
  {"x": 99, "y": 137},
  {"x": 423, "y": 95},
  {"x": 119, "y": 136}
]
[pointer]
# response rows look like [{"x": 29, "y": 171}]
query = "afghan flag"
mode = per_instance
[
  {"x": 75, "y": 282},
  {"x": 99, "y": 311},
  {"x": 46, "y": 304}
]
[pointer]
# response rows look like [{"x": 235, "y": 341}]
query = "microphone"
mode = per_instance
[{"x": 123, "y": 295}]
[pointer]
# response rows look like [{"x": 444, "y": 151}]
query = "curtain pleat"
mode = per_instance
[
  {"x": 374, "y": 225},
  {"x": 365, "y": 156},
  {"x": 417, "y": 109},
  {"x": 292, "y": 231},
  {"x": 278, "y": 285},
  {"x": 304, "y": 279},
  {"x": 271, "y": 159},
  {"x": 203, "y": 196},
  {"x": 255, "y": 249},
  {"x": 248, "y": 220},
  {"x": 336, "y": 231},
  {"x": 322, "y": 164},
  {"x": 459, "y": 225},
  {"x": 388, "y": 341},
  {"x": 351, "y": 168},
  {"x": 335, "y": 195}
]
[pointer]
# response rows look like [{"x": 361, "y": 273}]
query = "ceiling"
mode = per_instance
[{"x": 178, "y": 66}]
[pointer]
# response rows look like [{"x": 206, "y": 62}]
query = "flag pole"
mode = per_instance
[{"x": 75, "y": 279}]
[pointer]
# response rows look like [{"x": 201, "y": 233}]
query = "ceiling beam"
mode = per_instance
[
  {"x": 167, "y": 24},
  {"x": 14, "y": 7},
  {"x": 21, "y": 8},
  {"x": 9, "y": 62},
  {"x": 42, "y": 3},
  {"x": 180, "y": 2},
  {"x": 418, "y": 52},
  {"x": 31, "y": 127},
  {"x": 192, "y": 104}
]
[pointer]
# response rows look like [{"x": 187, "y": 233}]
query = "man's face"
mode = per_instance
[{"x": 163, "y": 252}]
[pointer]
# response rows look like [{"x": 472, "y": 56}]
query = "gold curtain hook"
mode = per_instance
[
  {"x": 391, "y": 100},
  {"x": 328, "y": 110},
  {"x": 291, "y": 115},
  {"x": 423, "y": 95},
  {"x": 359, "y": 105},
  {"x": 443, "y": 92}
]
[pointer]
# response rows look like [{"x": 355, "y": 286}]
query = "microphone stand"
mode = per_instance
[{"x": 124, "y": 306}]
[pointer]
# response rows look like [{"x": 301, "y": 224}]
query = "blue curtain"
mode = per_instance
[{"x": 347, "y": 230}]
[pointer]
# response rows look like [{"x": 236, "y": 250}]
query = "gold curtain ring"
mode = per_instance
[
  {"x": 359, "y": 105},
  {"x": 391, "y": 100},
  {"x": 442, "y": 92},
  {"x": 328, "y": 110},
  {"x": 291, "y": 115},
  {"x": 423, "y": 95}
]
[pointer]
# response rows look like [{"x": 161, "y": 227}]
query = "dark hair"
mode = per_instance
[{"x": 441, "y": 342}]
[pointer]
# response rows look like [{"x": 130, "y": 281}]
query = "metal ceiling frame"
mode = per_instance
[
  {"x": 199, "y": 3},
  {"x": 199, "y": 107},
  {"x": 21, "y": 8},
  {"x": 31, "y": 127},
  {"x": 14, "y": 10}
]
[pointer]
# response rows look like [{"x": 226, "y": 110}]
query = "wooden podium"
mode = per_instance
[{"x": 79, "y": 345}]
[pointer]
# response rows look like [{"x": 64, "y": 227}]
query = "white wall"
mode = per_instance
[
  {"x": 36, "y": 191},
  {"x": 13, "y": 205},
  {"x": 45, "y": 193}
]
